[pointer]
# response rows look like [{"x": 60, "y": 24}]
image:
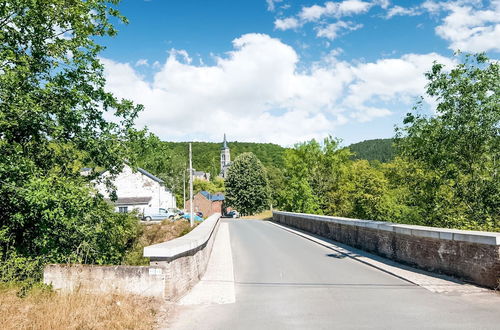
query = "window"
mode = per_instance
[{"x": 123, "y": 209}]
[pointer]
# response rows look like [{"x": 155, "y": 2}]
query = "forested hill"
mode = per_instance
[
  {"x": 378, "y": 149},
  {"x": 206, "y": 155}
]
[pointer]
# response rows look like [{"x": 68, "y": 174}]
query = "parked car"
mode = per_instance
[
  {"x": 175, "y": 211},
  {"x": 232, "y": 214},
  {"x": 161, "y": 214},
  {"x": 196, "y": 217}
]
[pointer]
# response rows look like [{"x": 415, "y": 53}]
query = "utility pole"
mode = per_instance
[
  {"x": 184, "y": 187},
  {"x": 191, "y": 217}
]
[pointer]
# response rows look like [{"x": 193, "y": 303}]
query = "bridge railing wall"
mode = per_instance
[
  {"x": 469, "y": 255},
  {"x": 174, "y": 267}
]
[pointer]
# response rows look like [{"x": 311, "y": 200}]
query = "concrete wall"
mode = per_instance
[
  {"x": 140, "y": 280},
  {"x": 184, "y": 260},
  {"x": 469, "y": 255},
  {"x": 175, "y": 266}
]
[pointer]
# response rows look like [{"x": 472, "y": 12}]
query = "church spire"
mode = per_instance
[{"x": 224, "y": 143}]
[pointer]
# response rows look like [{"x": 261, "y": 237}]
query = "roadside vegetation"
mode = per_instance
[{"x": 446, "y": 167}]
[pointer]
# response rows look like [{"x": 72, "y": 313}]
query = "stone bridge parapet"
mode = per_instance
[{"x": 473, "y": 256}]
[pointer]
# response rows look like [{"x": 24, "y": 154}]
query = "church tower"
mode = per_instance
[{"x": 225, "y": 158}]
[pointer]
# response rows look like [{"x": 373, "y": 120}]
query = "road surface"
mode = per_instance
[{"x": 284, "y": 281}]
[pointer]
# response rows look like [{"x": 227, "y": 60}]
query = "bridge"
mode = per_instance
[{"x": 289, "y": 274}]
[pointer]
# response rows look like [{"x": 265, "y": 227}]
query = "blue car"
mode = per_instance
[{"x": 196, "y": 217}]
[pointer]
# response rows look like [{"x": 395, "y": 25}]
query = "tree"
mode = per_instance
[
  {"x": 52, "y": 123},
  {"x": 311, "y": 172},
  {"x": 459, "y": 148},
  {"x": 214, "y": 186},
  {"x": 247, "y": 187}
]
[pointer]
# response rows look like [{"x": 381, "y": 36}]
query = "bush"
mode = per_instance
[{"x": 61, "y": 220}]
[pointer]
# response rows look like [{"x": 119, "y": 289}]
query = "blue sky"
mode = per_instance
[{"x": 287, "y": 71}]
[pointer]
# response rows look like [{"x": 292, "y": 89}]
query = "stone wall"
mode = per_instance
[
  {"x": 175, "y": 266},
  {"x": 469, "y": 255}
]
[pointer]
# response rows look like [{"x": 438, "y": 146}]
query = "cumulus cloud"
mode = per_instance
[
  {"x": 257, "y": 93},
  {"x": 468, "y": 25},
  {"x": 471, "y": 29}
]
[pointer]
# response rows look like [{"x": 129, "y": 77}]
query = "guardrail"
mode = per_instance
[{"x": 471, "y": 255}]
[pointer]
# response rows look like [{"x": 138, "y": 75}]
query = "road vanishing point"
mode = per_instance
[{"x": 264, "y": 276}]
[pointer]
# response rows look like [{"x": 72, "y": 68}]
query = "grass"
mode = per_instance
[
  {"x": 43, "y": 308},
  {"x": 266, "y": 215},
  {"x": 153, "y": 233}
]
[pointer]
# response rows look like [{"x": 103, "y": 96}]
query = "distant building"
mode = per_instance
[
  {"x": 206, "y": 203},
  {"x": 201, "y": 175},
  {"x": 138, "y": 190},
  {"x": 225, "y": 159}
]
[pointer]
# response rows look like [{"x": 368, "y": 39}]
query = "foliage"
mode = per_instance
[
  {"x": 457, "y": 151},
  {"x": 146, "y": 150},
  {"x": 446, "y": 171},
  {"x": 60, "y": 221},
  {"x": 214, "y": 186},
  {"x": 311, "y": 170},
  {"x": 247, "y": 186},
  {"x": 206, "y": 155},
  {"x": 52, "y": 123},
  {"x": 381, "y": 150}
]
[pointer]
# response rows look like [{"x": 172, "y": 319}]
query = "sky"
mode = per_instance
[{"x": 284, "y": 71}]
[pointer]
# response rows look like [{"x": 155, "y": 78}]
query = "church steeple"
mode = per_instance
[
  {"x": 225, "y": 158},
  {"x": 224, "y": 143}
]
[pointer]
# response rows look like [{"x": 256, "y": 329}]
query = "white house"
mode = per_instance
[{"x": 139, "y": 190}]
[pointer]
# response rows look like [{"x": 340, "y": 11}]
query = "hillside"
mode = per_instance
[
  {"x": 206, "y": 155},
  {"x": 378, "y": 149}
]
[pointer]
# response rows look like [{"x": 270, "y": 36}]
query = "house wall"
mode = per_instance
[
  {"x": 136, "y": 184},
  {"x": 203, "y": 205}
]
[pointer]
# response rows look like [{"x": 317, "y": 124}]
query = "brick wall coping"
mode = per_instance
[
  {"x": 481, "y": 237},
  {"x": 191, "y": 241}
]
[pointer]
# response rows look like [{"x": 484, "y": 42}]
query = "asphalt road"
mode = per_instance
[{"x": 283, "y": 281}]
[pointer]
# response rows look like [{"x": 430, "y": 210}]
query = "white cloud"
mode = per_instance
[
  {"x": 142, "y": 62},
  {"x": 256, "y": 93},
  {"x": 331, "y": 31},
  {"x": 400, "y": 11},
  {"x": 315, "y": 13},
  {"x": 468, "y": 25},
  {"x": 287, "y": 23},
  {"x": 271, "y": 4},
  {"x": 338, "y": 9},
  {"x": 470, "y": 29}
]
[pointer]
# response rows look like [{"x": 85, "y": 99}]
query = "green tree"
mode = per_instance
[
  {"x": 214, "y": 186},
  {"x": 52, "y": 122},
  {"x": 458, "y": 150},
  {"x": 311, "y": 171},
  {"x": 247, "y": 187}
]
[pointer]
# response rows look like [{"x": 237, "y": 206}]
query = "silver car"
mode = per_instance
[{"x": 161, "y": 214}]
